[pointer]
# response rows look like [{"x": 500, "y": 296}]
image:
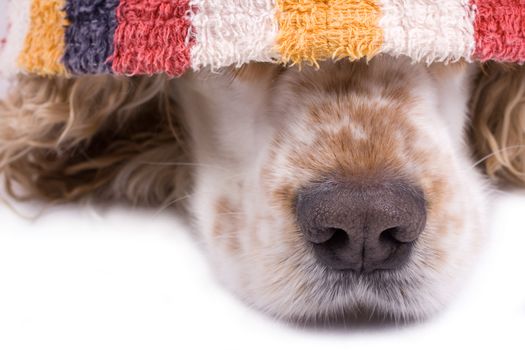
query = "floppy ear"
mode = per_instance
[
  {"x": 63, "y": 139},
  {"x": 498, "y": 121}
]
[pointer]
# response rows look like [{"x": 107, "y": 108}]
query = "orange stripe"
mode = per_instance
[
  {"x": 313, "y": 30},
  {"x": 44, "y": 44}
]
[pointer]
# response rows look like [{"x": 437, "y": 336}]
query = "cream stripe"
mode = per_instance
[
  {"x": 18, "y": 14},
  {"x": 233, "y": 32},
  {"x": 428, "y": 30}
]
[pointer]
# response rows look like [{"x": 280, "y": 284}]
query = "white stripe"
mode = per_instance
[
  {"x": 18, "y": 16},
  {"x": 428, "y": 30},
  {"x": 233, "y": 32}
]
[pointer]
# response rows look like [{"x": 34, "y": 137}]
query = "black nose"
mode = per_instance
[{"x": 362, "y": 227}]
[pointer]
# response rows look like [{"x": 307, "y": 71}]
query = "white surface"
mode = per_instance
[
  {"x": 84, "y": 278},
  {"x": 79, "y": 279}
]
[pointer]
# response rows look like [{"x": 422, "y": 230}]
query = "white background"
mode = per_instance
[{"x": 117, "y": 278}]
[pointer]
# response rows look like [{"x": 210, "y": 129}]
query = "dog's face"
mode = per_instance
[{"x": 322, "y": 191}]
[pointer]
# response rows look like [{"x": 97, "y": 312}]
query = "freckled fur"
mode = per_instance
[
  {"x": 308, "y": 135},
  {"x": 234, "y": 148}
]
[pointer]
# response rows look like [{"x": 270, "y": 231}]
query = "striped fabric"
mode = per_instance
[{"x": 131, "y": 37}]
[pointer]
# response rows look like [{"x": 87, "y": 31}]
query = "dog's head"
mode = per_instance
[
  {"x": 316, "y": 192},
  {"x": 347, "y": 187}
]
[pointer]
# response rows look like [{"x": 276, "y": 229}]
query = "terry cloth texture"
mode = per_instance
[
  {"x": 44, "y": 43},
  {"x": 428, "y": 30},
  {"x": 152, "y": 36},
  {"x": 133, "y": 37},
  {"x": 18, "y": 14},
  {"x": 233, "y": 32},
  {"x": 89, "y": 36},
  {"x": 500, "y": 30},
  {"x": 314, "y": 30}
]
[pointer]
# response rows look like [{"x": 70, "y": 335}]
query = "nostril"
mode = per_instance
[
  {"x": 396, "y": 247},
  {"x": 326, "y": 235},
  {"x": 396, "y": 235},
  {"x": 338, "y": 239},
  {"x": 334, "y": 252},
  {"x": 390, "y": 235}
]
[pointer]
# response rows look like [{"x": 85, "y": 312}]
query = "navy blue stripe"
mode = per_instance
[{"x": 89, "y": 36}]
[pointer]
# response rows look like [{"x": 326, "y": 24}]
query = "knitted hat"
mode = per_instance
[{"x": 72, "y": 37}]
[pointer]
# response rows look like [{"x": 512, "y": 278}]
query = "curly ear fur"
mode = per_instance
[
  {"x": 118, "y": 138},
  {"x": 498, "y": 127}
]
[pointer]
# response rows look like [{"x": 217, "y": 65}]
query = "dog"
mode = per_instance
[{"x": 316, "y": 191}]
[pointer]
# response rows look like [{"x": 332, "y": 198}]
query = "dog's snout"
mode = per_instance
[{"x": 361, "y": 227}]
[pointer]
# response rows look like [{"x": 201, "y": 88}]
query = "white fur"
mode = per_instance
[
  {"x": 18, "y": 14},
  {"x": 234, "y": 124}
]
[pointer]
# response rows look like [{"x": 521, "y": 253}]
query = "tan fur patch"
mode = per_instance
[
  {"x": 228, "y": 224},
  {"x": 256, "y": 71},
  {"x": 379, "y": 104}
]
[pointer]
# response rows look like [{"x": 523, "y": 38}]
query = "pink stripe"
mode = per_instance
[
  {"x": 500, "y": 30},
  {"x": 151, "y": 37}
]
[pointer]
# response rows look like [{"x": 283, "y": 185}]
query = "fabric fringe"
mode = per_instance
[
  {"x": 428, "y": 30},
  {"x": 130, "y": 37},
  {"x": 233, "y": 32},
  {"x": 314, "y": 30}
]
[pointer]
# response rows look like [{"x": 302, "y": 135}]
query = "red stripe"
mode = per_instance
[
  {"x": 500, "y": 30},
  {"x": 151, "y": 37}
]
